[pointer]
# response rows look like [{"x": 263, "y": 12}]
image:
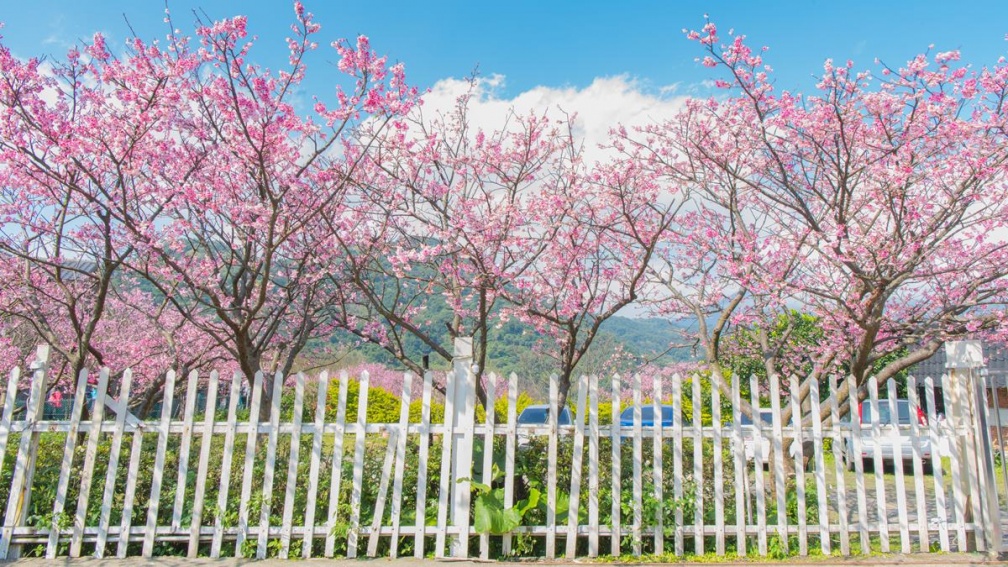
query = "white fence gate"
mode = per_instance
[{"x": 317, "y": 479}]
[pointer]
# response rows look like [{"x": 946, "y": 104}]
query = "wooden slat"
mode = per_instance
[
  {"x": 400, "y": 459},
  {"x": 657, "y": 445},
  {"x": 857, "y": 430},
  {"x": 321, "y": 396},
  {"x": 112, "y": 470},
  {"x": 593, "y": 466},
  {"x": 638, "y": 469},
  {"x": 778, "y": 461},
  {"x": 923, "y": 538},
  {"x": 8, "y": 412},
  {"x": 576, "y": 466},
  {"x": 901, "y": 499},
  {"x": 488, "y": 444},
  {"x": 698, "y": 510},
  {"x": 953, "y": 414},
  {"x": 234, "y": 393},
  {"x": 185, "y": 445},
  {"x": 444, "y": 492},
  {"x": 815, "y": 408},
  {"x": 66, "y": 466},
  {"x": 880, "y": 492},
  {"x": 838, "y": 441},
  {"x": 758, "y": 460},
  {"x": 87, "y": 472},
  {"x": 936, "y": 465},
  {"x": 132, "y": 472},
  {"x": 250, "y": 448},
  {"x": 741, "y": 479},
  {"x": 799, "y": 462},
  {"x": 421, "y": 499},
  {"x": 203, "y": 466},
  {"x": 24, "y": 464},
  {"x": 383, "y": 485},
  {"x": 271, "y": 448},
  {"x": 719, "y": 511},
  {"x": 336, "y": 474},
  {"x": 159, "y": 462},
  {"x": 292, "y": 467},
  {"x": 968, "y": 422},
  {"x": 677, "y": 458},
  {"x": 551, "y": 469},
  {"x": 617, "y": 487},
  {"x": 358, "y": 464}
]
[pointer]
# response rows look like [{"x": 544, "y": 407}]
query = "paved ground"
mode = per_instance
[{"x": 918, "y": 560}]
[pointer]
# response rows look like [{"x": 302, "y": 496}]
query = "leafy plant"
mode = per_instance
[{"x": 491, "y": 517}]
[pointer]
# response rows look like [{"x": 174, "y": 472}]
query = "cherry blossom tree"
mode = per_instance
[{"x": 877, "y": 205}]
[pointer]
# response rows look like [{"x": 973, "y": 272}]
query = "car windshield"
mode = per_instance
[
  {"x": 884, "y": 415},
  {"x": 539, "y": 414},
  {"x": 647, "y": 414},
  {"x": 766, "y": 416}
]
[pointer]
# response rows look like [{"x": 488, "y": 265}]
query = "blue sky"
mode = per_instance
[{"x": 557, "y": 44}]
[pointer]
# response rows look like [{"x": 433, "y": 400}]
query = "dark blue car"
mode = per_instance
[{"x": 647, "y": 417}]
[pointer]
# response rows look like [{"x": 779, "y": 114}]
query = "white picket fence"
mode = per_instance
[{"x": 621, "y": 496}]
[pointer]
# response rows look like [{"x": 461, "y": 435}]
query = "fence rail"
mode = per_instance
[{"x": 317, "y": 479}]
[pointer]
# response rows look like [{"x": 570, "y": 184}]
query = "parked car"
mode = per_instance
[
  {"x": 626, "y": 419},
  {"x": 538, "y": 415},
  {"x": 887, "y": 442},
  {"x": 753, "y": 437}
]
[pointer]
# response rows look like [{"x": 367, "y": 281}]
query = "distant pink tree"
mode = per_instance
[{"x": 878, "y": 205}]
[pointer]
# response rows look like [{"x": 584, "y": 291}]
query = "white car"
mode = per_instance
[
  {"x": 887, "y": 441},
  {"x": 753, "y": 437}
]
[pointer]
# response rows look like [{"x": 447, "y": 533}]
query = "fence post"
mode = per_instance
[
  {"x": 19, "y": 500},
  {"x": 463, "y": 418}
]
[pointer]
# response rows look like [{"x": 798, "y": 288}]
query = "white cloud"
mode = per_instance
[{"x": 602, "y": 105}]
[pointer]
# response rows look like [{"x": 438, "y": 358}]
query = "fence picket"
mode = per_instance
[
  {"x": 719, "y": 521},
  {"x": 271, "y": 449},
  {"x": 509, "y": 452},
  {"x": 638, "y": 468},
  {"x": 400, "y": 459},
  {"x": 10, "y": 395},
  {"x": 967, "y": 399},
  {"x": 24, "y": 464},
  {"x": 551, "y": 466},
  {"x": 741, "y": 478},
  {"x": 250, "y": 445},
  {"x": 936, "y": 465},
  {"x": 321, "y": 396},
  {"x": 616, "y": 464},
  {"x": 184, "y": 449},
  {"x": 838, "y": 463},
  {"x": 336, "y": 473},
  {"x": 677, "y": 456},
  {"x": 593, "y": 466},
  {"x": 815, "y": 409},
  {"x": 576, "y": 466},
  {"x": 698, "y": 515},
  {"x": 857, "y": 430},
  {"x": 799, "y": 461},
  {"x": 901, "y": 499},
  {"x": 658, "y": 473},
  {"x": 356, "y": 491},
  {"x": 924, "y": 543},
  {"x": 488, "y": 437},
  {"x": 113, "y": 465},
  {"x": 444, "y": 492},
  {"x": 206, "y": 442},
  {"x": 159, "y": 462},
  {"x": 87, "y": 472},
  {"x": 292, "y": 467},
  {"x": 777, "y": 449},
  {"x": 953, "y": 415},
  {"x": 223, "y": 489},
  {"x": 383, "y": 485},
  {"x": 70, "y": 443},
  {"x": 758, "y": 461},
  {"x": 421, "y": 498},
  {"x": 878, "y": 466}
]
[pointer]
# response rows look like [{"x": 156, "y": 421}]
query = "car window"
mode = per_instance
[
  {"x": 884, "y": 416},
  {"x": 533, "y": 415},
  {"x": 765, "y": 415},
  {"x": 647, "y": 414}
]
